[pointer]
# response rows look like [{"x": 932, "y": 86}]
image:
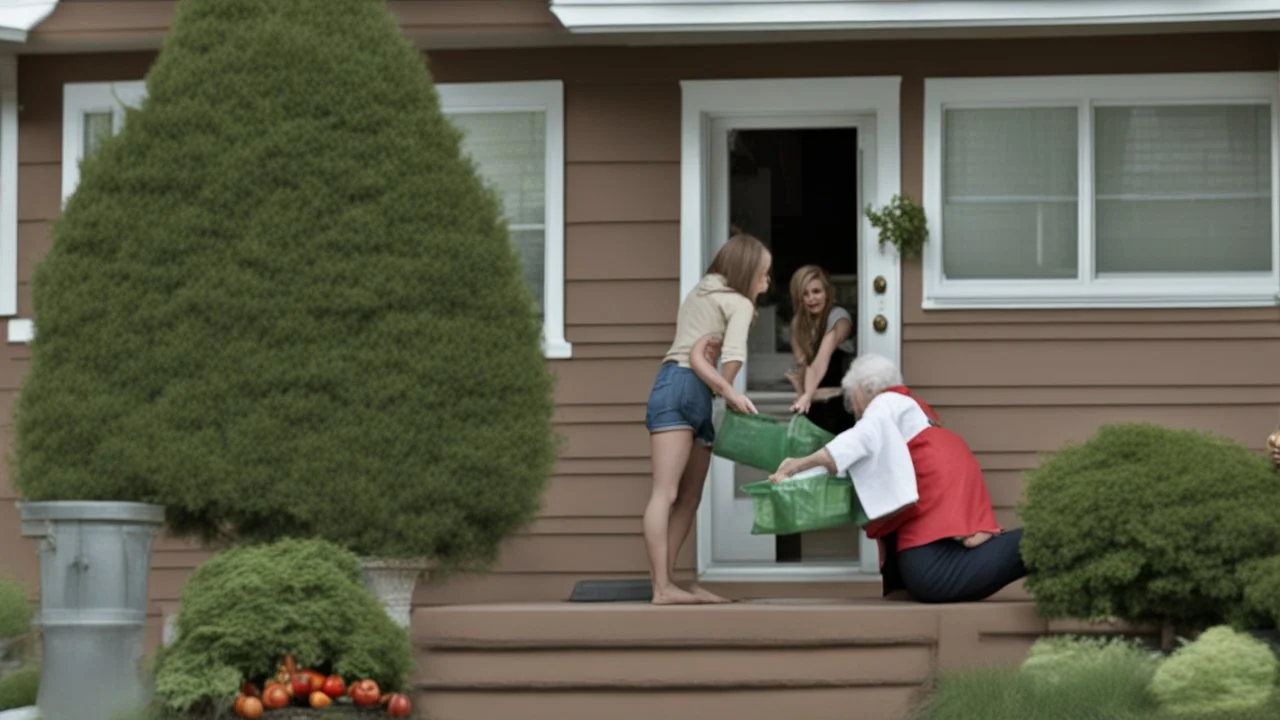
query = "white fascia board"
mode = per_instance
[
  {"x": 18, "y": 17},
  {"x": 616, "y": 16}
]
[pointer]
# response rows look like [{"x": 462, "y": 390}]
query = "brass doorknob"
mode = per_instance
[
  {"x": 880, "y": 324},
  {"x": 879, "y": 284}
]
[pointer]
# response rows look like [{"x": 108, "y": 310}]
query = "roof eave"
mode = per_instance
[
  {"x": 18, "y": 17},
  {"x": 678, "y": 16}
]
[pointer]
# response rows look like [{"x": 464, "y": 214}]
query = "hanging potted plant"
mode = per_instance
[
  {"x": 274, "y": 324},
  {"x": 901, "y": 224}
]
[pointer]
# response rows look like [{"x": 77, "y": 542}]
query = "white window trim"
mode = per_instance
[
  {"x": 1085, "y": 93},
  {"x": 538, "y": 96},
  {"x": 8, "y": 185},
  {"x": 545, "y": 96}
]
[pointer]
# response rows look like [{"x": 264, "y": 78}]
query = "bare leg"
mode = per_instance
[
  {"x": 685, "y": 510},
  {"x": 670, "y": 451}
]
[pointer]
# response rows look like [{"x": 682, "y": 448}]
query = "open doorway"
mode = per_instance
[{"x": 797, "y": 189}]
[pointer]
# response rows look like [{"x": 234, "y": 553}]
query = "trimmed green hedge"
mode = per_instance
[
  {"x": 281, "y": 302},
  {"x": 1147, "y": 523}
]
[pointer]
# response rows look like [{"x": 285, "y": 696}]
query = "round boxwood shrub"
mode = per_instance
[
  {"x": 244, "y": 609},
  {"x": 282, "y": 302},
  {"x": 1261, "y": 580},
  {"x": 1221, "y": 672},
  {"x": 1146, "y": 523}
]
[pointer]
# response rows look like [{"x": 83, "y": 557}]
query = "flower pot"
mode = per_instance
[
  {"x": 94, "y": 562},
  {"x": 392, "y": 581}
]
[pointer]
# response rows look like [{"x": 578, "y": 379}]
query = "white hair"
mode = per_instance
[{"x": 872, "y": 374}]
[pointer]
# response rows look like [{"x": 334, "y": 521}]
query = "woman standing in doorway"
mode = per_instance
[
  {"x": 679, "y": 412},
  {"x": 820, "y": 341}
]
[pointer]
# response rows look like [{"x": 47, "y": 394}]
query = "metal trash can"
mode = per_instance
[{"x": 94, "y": 562}]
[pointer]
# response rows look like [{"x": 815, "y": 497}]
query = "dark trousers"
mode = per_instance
[{"x": 945, "y": 571}]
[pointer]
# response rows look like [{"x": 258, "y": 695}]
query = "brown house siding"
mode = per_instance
[{"x": 1015, "y": 383}]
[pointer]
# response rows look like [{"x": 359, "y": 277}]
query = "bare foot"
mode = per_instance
[
  {"x": 706, "y": 596},
  {"x": 674, "y": 596}
]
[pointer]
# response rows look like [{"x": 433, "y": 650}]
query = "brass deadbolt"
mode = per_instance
[
  {"x": 880, "y": 284},
  {"x": 880, "y": 324}
]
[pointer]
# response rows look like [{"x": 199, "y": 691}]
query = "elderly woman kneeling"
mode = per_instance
[{"x": 923, "y": 489}]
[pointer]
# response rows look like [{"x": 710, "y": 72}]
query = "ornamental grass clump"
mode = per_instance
[
  {"x": 1220, "y": 673},
  {"x": 1148, "y": 524},
  {"x": 282, "y": 303},
  {"x": 244, "y": 609}
]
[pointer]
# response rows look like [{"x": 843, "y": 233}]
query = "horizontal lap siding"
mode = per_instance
[{"x": 1015, "y": 384}]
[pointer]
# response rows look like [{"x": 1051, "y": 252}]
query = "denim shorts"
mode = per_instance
[{"x": 680, "y": 401}]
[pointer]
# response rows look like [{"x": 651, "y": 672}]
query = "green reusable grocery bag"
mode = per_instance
[
  {"x": 807, "y": 501},
  {"x": 763, "y": 442}
]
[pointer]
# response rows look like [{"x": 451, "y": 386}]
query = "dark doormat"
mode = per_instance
[{"x": 612, "y": 591}]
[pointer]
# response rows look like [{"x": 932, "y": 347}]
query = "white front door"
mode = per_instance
[{"x": 718, "y": 116}]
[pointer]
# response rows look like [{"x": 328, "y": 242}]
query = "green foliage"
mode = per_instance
[
  {"x": 1223, "y": 671},
  {"x": 1146, "y": 523},
  {"x": 282, "y": 301},
  {"x": 1261, "y": 579},
  {"x": 20, "y": 687},
  {"x": 1066, "y": 659},
  {"x": 1089, "y": 682},
  {"x": 244, "y": 609},
  {"x": 15, "y": 611},
  {"x": 902, "y": 224}
]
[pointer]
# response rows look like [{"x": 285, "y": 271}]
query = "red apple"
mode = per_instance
[
  {"x": 365, "y": 693},
  {"x": 275, "y": 696},
  {"x": 398, "y": 706},
  {"x": 333, "y": 686},
  {"x": 301, "y": 685}
]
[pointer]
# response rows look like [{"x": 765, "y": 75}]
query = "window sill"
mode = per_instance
[{"x": 1100, "y": 301}]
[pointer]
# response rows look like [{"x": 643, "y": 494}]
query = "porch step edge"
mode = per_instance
[
  {"x": 650, "y": 685},
  {"x": 446, "y": 644}
]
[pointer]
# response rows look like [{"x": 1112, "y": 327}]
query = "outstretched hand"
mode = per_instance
[
  {"x": 789, "y": 467},
  {"x": 740, "y": 403}
]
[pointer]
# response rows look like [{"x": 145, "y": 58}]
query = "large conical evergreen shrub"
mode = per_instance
[{"x": 282, "y": 302}]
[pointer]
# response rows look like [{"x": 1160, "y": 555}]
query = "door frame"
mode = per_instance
[{"x": 704, "y": 102}]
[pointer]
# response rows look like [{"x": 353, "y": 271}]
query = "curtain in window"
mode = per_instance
[
  {"x": 510, "y": 151},
  {"x": 1183, "y": 188},
  {"x": 1010, "y": 193}
]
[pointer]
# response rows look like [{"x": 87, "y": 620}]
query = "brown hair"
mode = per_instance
[
  {"x": 739, "y": 261},
  {"x": 807, "y": 330}
]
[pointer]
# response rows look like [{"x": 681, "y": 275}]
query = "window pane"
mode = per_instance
[
  {"x": 1183, "y": 188},
  {"x": 531, "y": 244},
  {"x": 511, "y": 151},
  {"x": 1010, "y": 193},
  {"x": 97, "y": 127}
]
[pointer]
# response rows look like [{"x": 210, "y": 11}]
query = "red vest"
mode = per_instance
[{"x": 954, "y": 501}]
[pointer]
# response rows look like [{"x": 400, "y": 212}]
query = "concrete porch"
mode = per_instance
[{"x": 754, "y": 660}]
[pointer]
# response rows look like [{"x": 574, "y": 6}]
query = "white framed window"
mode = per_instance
[
  {"x": 1102, "y": 191},
  {"x": 514, "y": 131}
]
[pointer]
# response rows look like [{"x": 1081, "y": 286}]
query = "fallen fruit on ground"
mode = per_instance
[
  {"x": 333, "y": 686},
  {"x": 249, "y": 707},
  {"x": 301, "y": 684},
  {"x": 398, "y": 705},
  {"x": 249, "y": 689},
  {"x": 275, "y": 696},
  {"x": 365, "y": 693},
  {"x": 320, "y": 700}
]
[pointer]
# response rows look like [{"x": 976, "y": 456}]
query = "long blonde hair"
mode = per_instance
[
  {"x": 739, "y": 262},
  {"x": 806, "y": 329}
]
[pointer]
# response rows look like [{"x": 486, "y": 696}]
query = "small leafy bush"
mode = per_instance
[
  {"x": 1146, "y": 524},
  {"x": 902, "y": 224},
  {"x": 15, "y": 611},
  {"x": 1220, "y": 673},
  {"x": 245, "y": 608},
  {"x": 1067, "y": 659},
  {"x": 20, "y": 687}
]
